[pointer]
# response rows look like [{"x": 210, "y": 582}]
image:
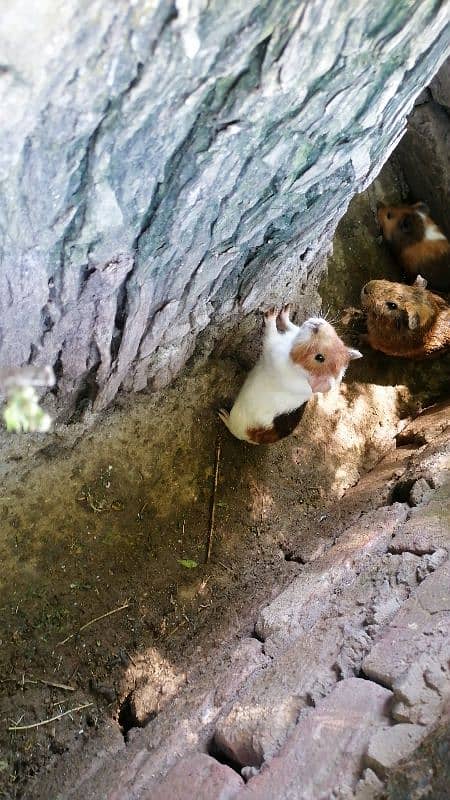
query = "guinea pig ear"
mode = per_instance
[
  {"x": 380, "y": 205},
  {"x": 413, "y": 319},
  {"x": 422, "y": 207},
  {"x": 421, "y": 282},
  {"x": 353, "y": 354}
]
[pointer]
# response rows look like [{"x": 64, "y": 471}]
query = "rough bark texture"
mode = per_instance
[
  {"x": 166, "y": 165},
  {"x": 424, "y": 151}
]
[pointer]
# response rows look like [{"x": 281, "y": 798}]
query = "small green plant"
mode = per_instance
[
  {"x": 188, "y": 563},
  {"x": 22, "y": 411}
]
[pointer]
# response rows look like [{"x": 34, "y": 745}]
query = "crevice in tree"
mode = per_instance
[
  {"x": 58, "y": 370},
  {"x": 33, "y": 354},
  {"x": 89, "y": 390},
  {"x": 120, "y": 319}
]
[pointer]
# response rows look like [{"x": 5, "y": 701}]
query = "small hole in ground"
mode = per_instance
[
  {"x": 401, "y": 492},
  {"x": 126, "y": 718},
  {"x": 289, "y": 555},
  {"x": 410, "y": 438},
  {"x": 255, "y": 635},
  {"x": 223, "y": 758}
]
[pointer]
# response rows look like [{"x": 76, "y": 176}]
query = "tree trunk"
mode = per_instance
[{"x": 168, "y": 165}]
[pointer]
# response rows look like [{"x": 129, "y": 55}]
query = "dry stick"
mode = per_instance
[
  {"x": 180, "y": 624},
  {"x": 91, "y": 622},
  {"x": 58, "y": 685},
  {"x": 46, "y": 721},
  {"x": 213, "y": 500},
  {"x": 48, "y": 683},
  {"x": 22, "y": 681},
  {"x": 221, "y": 564}
]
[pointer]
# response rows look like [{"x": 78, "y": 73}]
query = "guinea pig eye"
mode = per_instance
[
  {"x": 388, "y": 215},
  {"x": 391, "y": 306},
  {"x": 319, "y": 357}
]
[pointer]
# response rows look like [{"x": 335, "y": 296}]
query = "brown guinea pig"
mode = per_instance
[
  {"x": 418, "y": 244},
  {"x": 405, "y": 320}
]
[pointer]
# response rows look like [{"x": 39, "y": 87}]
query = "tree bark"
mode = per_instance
[{"x": 168, "y": 165}]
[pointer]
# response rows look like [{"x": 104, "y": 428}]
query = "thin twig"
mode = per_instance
[
  {"x": 91, "y": 622},
  {"x": 46, "y": 721},
  {"x": 130, "y": 658},
  {"x": 58, "y": 685},
  {"x": 50, "y": 683},
  {"x": 221, "y": 564},
  {"x": 213, "y": 500},
  {"x": 24, "y": 680},
  {"x": 180, "y": 624}
]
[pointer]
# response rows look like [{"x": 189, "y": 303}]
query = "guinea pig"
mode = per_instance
[
  {"x": 405, "y": 320},
  {"x": 418, "y": 244},
  {"x": 295, "y": 363}
]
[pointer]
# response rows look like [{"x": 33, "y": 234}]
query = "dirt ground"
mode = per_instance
[{"x": 105, "y": 596}]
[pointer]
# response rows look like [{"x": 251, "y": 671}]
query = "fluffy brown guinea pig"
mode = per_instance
[
  {"x": 405, "y": 320},
  {"x": 418, "y": 244}
]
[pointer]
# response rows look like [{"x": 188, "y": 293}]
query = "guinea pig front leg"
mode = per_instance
[
  {"x": 285, "y": 322},
  {"x": 272, "y": 337},
  {"x": 271, "y": 333}
]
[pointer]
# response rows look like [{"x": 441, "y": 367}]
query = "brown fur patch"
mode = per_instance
[
  {"x": 328, "y": 343},
  {"x": 283, "y": 425},
  {"x": 431, "y": 259},
  {"x": 418, "y": 328},
  {"x": 404, "y": 229},
  {"x": 262, "y": 435},
  {"x": 401, "y": 225}
]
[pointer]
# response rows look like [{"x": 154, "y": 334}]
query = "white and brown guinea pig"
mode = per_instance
[
  {"x": 418, "y": 244},
  {"x": 406, "y": 321},
  {"x": 295, "y": 363}
]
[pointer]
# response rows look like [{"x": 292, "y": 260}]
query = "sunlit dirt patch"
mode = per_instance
[{"x": 151, "y": 681}]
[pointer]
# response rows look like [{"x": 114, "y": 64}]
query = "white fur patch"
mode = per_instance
[{"x": 432, "y": 232}]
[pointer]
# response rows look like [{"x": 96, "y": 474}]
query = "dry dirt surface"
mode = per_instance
[{"x": 326, "y": 688}]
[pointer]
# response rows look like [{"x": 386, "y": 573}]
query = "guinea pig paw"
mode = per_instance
[
  {"x": 223, "y": 415},
  {"x": 270, "y": 314},
  {"x": 286, "y": 312}
]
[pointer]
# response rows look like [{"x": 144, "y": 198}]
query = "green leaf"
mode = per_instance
[
  {"x": 23, "y": 412},
  {"x": 188, "y": 563}
]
